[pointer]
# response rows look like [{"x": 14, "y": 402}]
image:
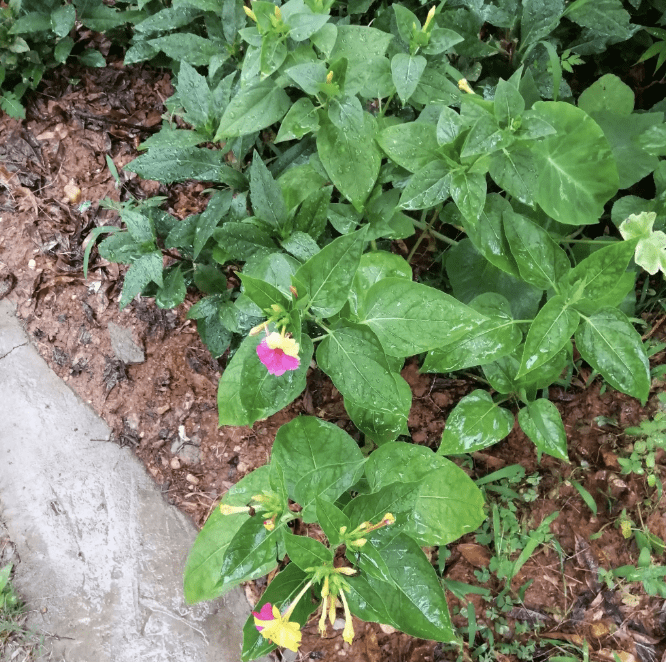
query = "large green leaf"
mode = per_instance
[
  {"x": 253, "y": 548},
  {"x": 331, "y": 520},
  {"x": 147, "y": 269},
  {"x": 176, "y": 164},
  {"x": 354, "y": 359},
  {"x": 414, "y": 600},
  {"x": 318, "y": 459},
  {"x": 407, "y": 70},
  {"x": 327, "y": 276},
  {"x": 550, "y": 330},
  {"x": 307, "y": 552},
  {"x": 468, "y": 190},
  {"x": 476, "y": 422},
  {"x": 409, "y": 317},
  {"x": 471, "y": 274},
  {"x": 183, "y": 46},
  {"x": 542, "y": 423},
  {"x": 539, "y": 19},
  {"x": 611, "y": 345},
  {"x": 427, "y": 187},
  {"x": 254, "y": 108},
  {"x": 540, "y": 260},
  {"x": 217, "y": 208},
  {"x": 573, "y": 188},
  {"x": 605, "y": 17},
  {"x": 351, "y": 158},
  {"x": 514, "y": 169},
  {"x": 202, "y": 570},
  {"x": 248, "y": 392},
  {"x": 412, "y": 145},
  {"x": 266, "y": 195}
]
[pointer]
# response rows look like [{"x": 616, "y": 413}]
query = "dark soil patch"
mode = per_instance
[{"x": 165, "y": 406}]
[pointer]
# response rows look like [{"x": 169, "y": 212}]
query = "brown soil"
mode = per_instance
[{"x": 165, "y": 406}]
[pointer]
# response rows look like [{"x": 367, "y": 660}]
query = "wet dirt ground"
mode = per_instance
[{"x": 164, "y": 405}]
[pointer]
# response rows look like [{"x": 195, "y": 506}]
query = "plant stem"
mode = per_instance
[
  {"x": 435, "y": 234},
  {"x": 382, "y": 111},
  {"x": 427, "y": 229}
]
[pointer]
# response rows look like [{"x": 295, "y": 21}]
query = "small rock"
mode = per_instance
[
  {"x": 132, "y": 421},
  {"x": 124, "y": 347},
  {"x": 192, "y": 479},
  {"x": 339, "y": 624},
  {"x": 190, "y": 454},
  {"x": 242, "y": 467},
  {"x": 175, "y": 463},
  {"x": 176, "y": 446},
  {"x": 441, "y": 399},
  {"x": 387, "y": 629},
  {"x": 163, "y": 410},
  {"x": 419, "y": 437}
]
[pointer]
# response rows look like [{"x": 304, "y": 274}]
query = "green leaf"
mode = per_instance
[
  {"x": 471, "y": 274},
  {"x": 449, "y": 126},
  {"x": 378, "y": 422},
  {"x": 412, "y": 145},
  {"x": 313, "y": 213},
  {"x": 551, "y": 330},
  {"x": 252, "y": 548},
  {"x": 31, "y": 22},
  {"x": 572, "y": 188},
  {"x": 254, "y": 108},
  {"x": 441, "y": 41},
  {"x": 63, "y": 49},
  {"x": 485, "y": 137},
  {"x": 406, "y": 71},
  {"x": 358, "y": 43},
  {"x": 262, "y": 293},
  {"x": 244, "y": 240},
  {"x": 514, "y": 169},
  {"x": 353, "y": 358},
  {"x": 217, "y": 208},
  {"x": 327, "y": 276},
  {"x": 372, "y": 268},
  {"x": 611, "y": 345},
  {"x": 601, "y": 271},
  {"x": 540, "y": 260},
  {"x": 62, "y": 20},
  {"x": 147, "y": 269},
  {"x": 468, "y": 190},
  {"x": 331, "y": 519},
  {"x": 542, "y": 423},
  {"x": 301, "y": 245},
  {"x": 539, "y": 19},
  {"x": 280, "y": 592},
  {"x": 100, "y": 18},
  {"x": 168, "y": 19},
  {"x": 318, "y": 459},
  {"x": 210, "y": 279},
  {"x": 306, "y": 552},
  {"x": 202, "y": 570},
  {"x": 608, "y": 93},
  {"x": 604, "y": 17},
  {"x": 509, "y": 103},
  {"x": 176, "y": 164},
  {"x": 476, "y": 422},
  {"x": 301, "y": 118},
  {"x": 173, "y": 291},
  {"x": 248, "y": 392},
  {"x": 346, "y": 113},
  {"x": 410, "y": 318},
  {"x": 92, "y": 58},
  {"x": 194, "y": 95},
  {"x": 414, "y": 601},
  {"x": 187, "y": 47},
  {"x": 427, "y": 187},
  {"x": 273, "y": 53},
  {"x": 623, "y": 134},
  {"x": 266, "y": 195},
  {"x": 214, "y": 334},
  {"x": 351, "y": 158}
]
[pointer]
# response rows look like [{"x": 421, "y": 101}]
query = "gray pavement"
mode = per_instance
[{"x": 101, "y": 552}]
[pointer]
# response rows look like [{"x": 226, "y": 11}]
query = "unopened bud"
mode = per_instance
[
  {"x": 431, "y": 15},
  {"x": 226, "y": 509},
  {"x": 343, "y": 530},
  {"x": 250, "y": 13},
  {"x": 258, "y": 329},
  {"x": 388, "y": 519},
  {"x": 329, "y": 77},
  {"x": 463, "y": 86},
  {"x": 269, "y": 524},
  {"x": 278, "y": 13},
  {"x": 359, "y": 542},
  {"x": 346, "y": 571},
  {"x": 293, "y": 290}
]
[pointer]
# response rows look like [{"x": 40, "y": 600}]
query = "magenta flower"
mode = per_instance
[{"x": 278, "y": 353}]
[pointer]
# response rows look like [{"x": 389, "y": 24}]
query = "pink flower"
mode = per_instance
[
  {"x": 264, "y": 614},
  {"x": 278, "y": 353}
]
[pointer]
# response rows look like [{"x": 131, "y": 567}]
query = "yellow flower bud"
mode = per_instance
[
  {"x": 226, "y": 509},
  {"x": 293, "y": 290},
  {"x": 343, "y": 530},
  {"x": 358, "y": 543},
  {"x": 269, "y": 524},
  {"x": 431, "y": 15},
  {"x": 388, "y": 519},
  {"x": 250, "y": 13},
  {"x": 260, "y": 327},
  {"x": 463, "y": 85},
  {"x": 278, "y": 13},
  {"x": 329, "y": 77},
  {"x": 346, "y": 571}
]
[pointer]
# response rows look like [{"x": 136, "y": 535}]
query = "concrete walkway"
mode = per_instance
[{"x": 101, "y": 552}]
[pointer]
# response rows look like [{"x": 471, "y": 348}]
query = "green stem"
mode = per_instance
[
  {"x": 587, "y": 241},
  {"x": 382, "y": 112},
  {"x": 437, "y": 235},
  {"x": 426, "y": 228}
]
